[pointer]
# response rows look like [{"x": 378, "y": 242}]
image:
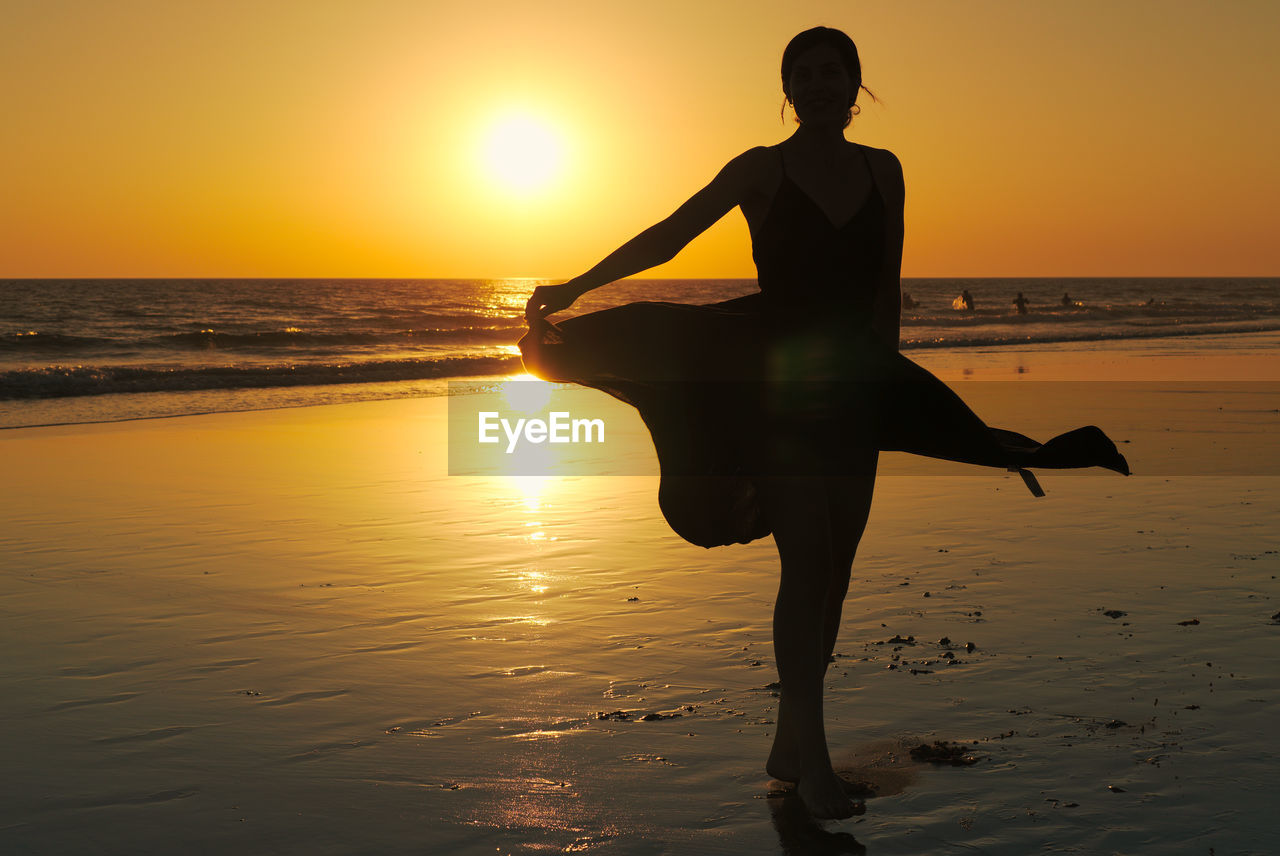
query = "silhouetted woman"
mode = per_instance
[{"x": 767, "y": 411}]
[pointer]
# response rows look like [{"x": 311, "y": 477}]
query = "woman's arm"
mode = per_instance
[
  {"x": 659, "y": 243},
  {"x": 886, "y": 315}
]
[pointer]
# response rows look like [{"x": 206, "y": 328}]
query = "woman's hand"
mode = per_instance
[{"x": 548, "y": 299}]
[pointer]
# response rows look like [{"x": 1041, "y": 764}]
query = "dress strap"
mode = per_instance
[{"x": 876, "y": 178}]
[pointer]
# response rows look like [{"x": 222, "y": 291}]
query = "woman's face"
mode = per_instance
[{"x": 820, "y": 87}]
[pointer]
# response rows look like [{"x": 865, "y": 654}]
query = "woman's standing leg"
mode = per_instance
[
  {"x": 799, "y": 512},
  {"x": 849, "y": 507}
]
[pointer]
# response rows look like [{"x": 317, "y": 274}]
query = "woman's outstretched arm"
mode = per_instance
[{"x": 660, "y": 242}]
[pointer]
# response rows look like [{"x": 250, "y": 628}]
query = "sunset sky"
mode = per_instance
[{"x": 384, "y": 138}]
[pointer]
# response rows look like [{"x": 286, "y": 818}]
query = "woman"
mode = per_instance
[{"x": 767, "y": 411}]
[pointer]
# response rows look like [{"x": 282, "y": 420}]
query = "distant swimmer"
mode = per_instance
[
  {"x": 907, "y": 302},
  {"x": 1066, "y": 299},
  {"x": 964, "y": 301},
  {"x": 1021, "y": 303}
]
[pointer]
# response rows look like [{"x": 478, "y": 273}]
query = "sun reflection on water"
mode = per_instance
[
  {"x": 526, "y": 393},
  {"x": 535, "y": 580},
  {"x": 531, "y": 490},
  {"x": 505, "y": 298}
]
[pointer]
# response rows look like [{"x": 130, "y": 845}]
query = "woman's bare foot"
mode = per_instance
[
  {"x": 790, "y": 774},
  {"x": 825, "y": 798}
]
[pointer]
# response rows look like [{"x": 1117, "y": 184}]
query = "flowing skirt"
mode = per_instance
[{"x": 739, "y": 391}]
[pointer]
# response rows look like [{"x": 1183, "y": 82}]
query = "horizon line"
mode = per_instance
[{"x": 640, "y": 278}]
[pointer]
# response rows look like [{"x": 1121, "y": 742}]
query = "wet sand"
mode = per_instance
[{"x": 292, "y": 632}]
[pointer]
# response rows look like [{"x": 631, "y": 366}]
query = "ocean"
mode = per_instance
[{"x": 96, "y": 350}]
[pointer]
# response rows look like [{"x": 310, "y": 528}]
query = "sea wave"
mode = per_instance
[
  {"x": 34, "y": 340},
  {"x": 291, "y": 338},
  {"x": 70, "y": 381},
  {"x": 1180, "y": 312},
  {"x": 1012, "y": 335},
  {"x": 61, "y": 381},
  {"x": 268, "y": 340}
]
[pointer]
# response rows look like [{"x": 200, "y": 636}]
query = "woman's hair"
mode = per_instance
[{"x": 843, "y": 45}]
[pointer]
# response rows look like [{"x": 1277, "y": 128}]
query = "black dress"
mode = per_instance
[{"x": 787, "y": 381}]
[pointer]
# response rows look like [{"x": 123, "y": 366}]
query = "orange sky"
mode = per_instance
[{"x": 320, "y": 139}]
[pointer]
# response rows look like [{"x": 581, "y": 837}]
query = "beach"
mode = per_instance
[
  {"x": 300, "y": 556},
  {"x": 293, "y": 631}
]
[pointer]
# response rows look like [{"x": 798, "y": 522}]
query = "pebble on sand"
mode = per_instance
[{"x": 942, "y": 752}]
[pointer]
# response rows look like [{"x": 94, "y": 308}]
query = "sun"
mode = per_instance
[{"x": 522, "y": 154}]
